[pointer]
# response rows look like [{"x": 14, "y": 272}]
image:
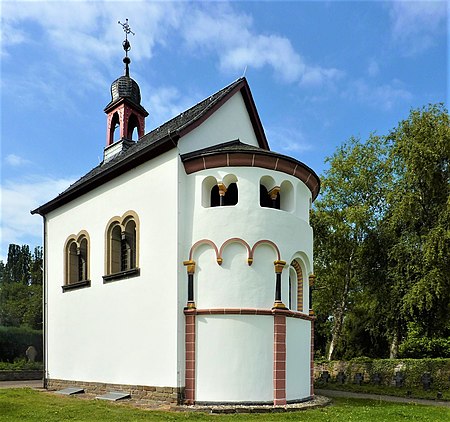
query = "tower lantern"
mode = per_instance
[{"x": 124, "y": 112}]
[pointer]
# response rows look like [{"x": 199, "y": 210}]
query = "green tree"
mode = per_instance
[
  {"x": 350, "y": 208},
  {"x": 419, "y": 219},
  {"x": 21, "y": 287},
  {"x": 382, "y": 241}
]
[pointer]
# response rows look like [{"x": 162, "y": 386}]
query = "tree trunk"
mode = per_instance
[
  {"x": 338, "y": 321},
  {"x": 340, "y": 312},
  {"x": 393, "y": 349}
]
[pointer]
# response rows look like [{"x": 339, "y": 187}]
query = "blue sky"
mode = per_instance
[{"x": 319, "y": 71}]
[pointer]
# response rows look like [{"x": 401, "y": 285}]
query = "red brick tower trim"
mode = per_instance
[
  {"x": 312, "y": 359},
  {"x": 279, "y": 359},
  {"x": 128, "y": 117},
  {"x": 190, "y": 316}
]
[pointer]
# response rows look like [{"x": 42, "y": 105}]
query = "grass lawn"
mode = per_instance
[{"x": 30, "y": 405}]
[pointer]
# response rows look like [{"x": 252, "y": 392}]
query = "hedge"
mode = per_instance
[
  {"x": 412, "y": 369},
  {"x": 14, "y": 341}
]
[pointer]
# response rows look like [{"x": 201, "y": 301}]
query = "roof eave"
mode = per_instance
[{"x": 161, "y": 146}]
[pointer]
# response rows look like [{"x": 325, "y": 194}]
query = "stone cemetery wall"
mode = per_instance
[{"x": 422, "y": 373}]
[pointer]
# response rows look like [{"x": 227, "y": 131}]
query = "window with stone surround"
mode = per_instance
[
  {"x": 76, "y": 261},
  {"x": 274, "y": 196},
  {"x": 296, "y": 286},
  {"x": 220, "y": 193},
  {"x": 122, "y": 247}
]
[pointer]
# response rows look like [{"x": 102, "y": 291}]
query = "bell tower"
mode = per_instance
[{"x": 124, "y": 113}]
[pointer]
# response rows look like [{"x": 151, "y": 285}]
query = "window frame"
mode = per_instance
[
  {"x": 116, "y": 266},
  {"x": 77, "y": 247}
]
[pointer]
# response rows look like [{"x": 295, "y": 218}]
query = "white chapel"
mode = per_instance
[{"x": 179, "y": 269}]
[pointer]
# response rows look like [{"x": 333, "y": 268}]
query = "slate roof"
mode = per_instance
[
  {"x": 125, "y": 87},
  {"x": 158, "y": 141},
  {"x": 232, "y": 154}
]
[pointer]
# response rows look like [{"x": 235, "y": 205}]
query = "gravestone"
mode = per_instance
[
  {"x": 376, "y": 378},
  {"x": 399, "y": 378},
  {"x": 359, "y": 378},
  {"x": 426, "y": 381},
  {"x": 341, "y": 377},
  {"x": 325, "y": 376},
  {"x": 31, "y": 353}
]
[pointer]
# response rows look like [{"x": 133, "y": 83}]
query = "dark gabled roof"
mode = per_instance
[
  {"x": 158, "y": 141},
  {"x": 237, "y": 154}
]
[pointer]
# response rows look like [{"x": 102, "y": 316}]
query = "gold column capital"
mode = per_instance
[
  {"x": 274, "y": 192},
  {"x": 190, "y": 266},
  {"x": 279, "y": 265},
  {"x": 190, "y": 305},
  {"x": 222, "y": 189}
]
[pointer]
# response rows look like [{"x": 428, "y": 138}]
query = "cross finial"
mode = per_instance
[
  {"x": 126, "y": 45},
  {"x": 126, "y": 27}
]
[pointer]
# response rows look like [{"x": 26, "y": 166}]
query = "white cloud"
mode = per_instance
[
  {"x": 415, "y": 24},
  {"x": 16, "y": 161},
  {"x": 316, "y": 75},
  {"x": 230, "y": 35},
  {"x": 166, "y": 102},
  {"x": 86, "y": 35},
  {"x": 384, "y": 96},
  {"x": 373, "y": 68},
  {"x": 262, "y": 50},
  {"x": 287, "y": 140},
  {"x": 18, "y": 198}
]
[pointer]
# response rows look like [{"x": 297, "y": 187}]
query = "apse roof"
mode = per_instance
[{"x": 237, "y": 154}]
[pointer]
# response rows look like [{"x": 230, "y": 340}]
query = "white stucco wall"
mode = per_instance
[
  {"x": 229, "y": 122},
  {"x": 234, "y": 283},
  {"x": 234, "y": 358},
  {"x": 298, "y": 358},
  {"x": 124, "y": 331},
  {"x": 234, "y": 353}
]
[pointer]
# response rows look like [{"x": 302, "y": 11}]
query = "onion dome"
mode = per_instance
[{"x": 125, "y": 87}]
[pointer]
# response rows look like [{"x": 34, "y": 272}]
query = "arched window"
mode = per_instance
[
  {"x": 296, "y": 274},
  {"x": 218, "y": 194},
  {"x": 132, "y": 129},
  {"x": 215, "y": 196},
  {"x": 286, "y": 196},
  {"x": 231, "y": 195},
  {"x": 128, "y": 246},
  {"x": 76, "y": 261},
  {"x": 114, "y": 133},
  {"x": 293, "y": 305},
  {"x": 269, "y": 194},
  {"x": 122, "y": 246},
  {"x": 115, "y": 246}
]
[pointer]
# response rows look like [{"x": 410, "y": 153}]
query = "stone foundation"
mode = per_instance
[{"x": 161, "y": 394}]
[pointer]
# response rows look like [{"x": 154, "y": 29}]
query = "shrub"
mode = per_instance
[
  {"x": 14, "y": 341},
  {"x": 20, "y": 365},
  {"x": 424, "y": 347}
]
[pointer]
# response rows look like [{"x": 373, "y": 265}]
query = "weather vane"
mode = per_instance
[
  {"x": 126, "y": 45},
  {"x": 127, "y": 30}
]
